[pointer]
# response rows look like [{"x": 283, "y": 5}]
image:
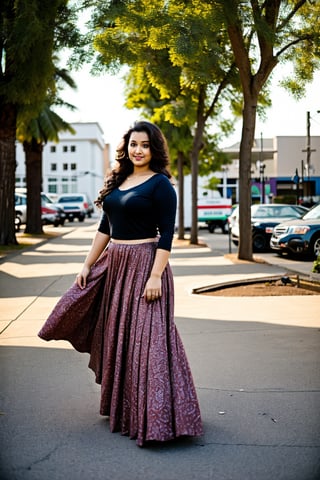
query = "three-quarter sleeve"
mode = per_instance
[{"x": 165, "y": 199}]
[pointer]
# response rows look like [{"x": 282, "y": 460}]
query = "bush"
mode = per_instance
[{"x": 316, "y": 265}]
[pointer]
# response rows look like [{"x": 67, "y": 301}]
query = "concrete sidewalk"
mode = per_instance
[{"x": 255, "y": 363}]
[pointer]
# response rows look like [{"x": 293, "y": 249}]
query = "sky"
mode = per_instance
[{"x": 101, "y": 99}]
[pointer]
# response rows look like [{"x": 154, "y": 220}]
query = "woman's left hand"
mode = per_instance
[{"x": 152, "y": 290}]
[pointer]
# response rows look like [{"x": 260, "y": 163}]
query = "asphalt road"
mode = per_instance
[{"x": 221, "y": 243}]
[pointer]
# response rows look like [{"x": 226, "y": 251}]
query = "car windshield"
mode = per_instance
[
  {"x": 277, "y": 211},
  {"x": 20, "y": 200},
  {"x": 45, "y": 198},
  {"x": 314, "y": 213},
  {"x": 70, "y": 199}
]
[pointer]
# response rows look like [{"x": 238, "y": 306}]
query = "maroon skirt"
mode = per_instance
[{"x": 135, "y": 350}]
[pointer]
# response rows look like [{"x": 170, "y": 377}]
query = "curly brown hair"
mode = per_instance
[{"x": 159, "y": 158}]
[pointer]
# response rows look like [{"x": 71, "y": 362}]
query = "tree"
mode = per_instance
[
  {"x": 171, "y": 114},
  {"x": 263, "y": 33},
  {"x": 29, "y": 32},
  {"x": 191, "y": 71},
  {"x": 33, "y": 134},
  {"x": 142, "y": 95}
]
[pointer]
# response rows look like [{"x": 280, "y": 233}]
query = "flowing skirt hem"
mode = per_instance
[{"x": 135, "y": 350}]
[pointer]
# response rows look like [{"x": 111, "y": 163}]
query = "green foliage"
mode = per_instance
[
  {"x": 212, "y": 184},
  {"x": 171, "y": 61},
  {"x": 47, "y": 124},
  {"x": 316, "y": 265},
  {"x": 198, "y": 56},
  {"x": 45, "y": 127},
  {"x": 29, "y": 32}
]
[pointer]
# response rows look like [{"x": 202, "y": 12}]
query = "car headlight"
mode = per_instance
[
  {"x": 299, "y": 229},
  {"x": 266, "y": 229}
]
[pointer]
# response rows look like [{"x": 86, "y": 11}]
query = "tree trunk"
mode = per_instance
[
  {"x": 180, "y": 196},
  {"x": 33, "y": 153},
  {"x": 8, "y": 120},
  {"x": 197, "y": 145},
  {"x": 247, "y": 139}
]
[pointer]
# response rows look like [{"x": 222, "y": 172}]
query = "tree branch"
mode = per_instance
[
  {"x": 296, "y": 7},
  {"x": 294, "y": 42},
  {"x": 223, "y": 84}
]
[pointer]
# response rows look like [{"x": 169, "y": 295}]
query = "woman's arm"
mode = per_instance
[
  {"x": 165, "y": 200},
  {"x": 99, "y": 243},
  {"x": 152, "y": 289}
]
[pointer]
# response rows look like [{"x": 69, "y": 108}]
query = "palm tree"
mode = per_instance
[
  {"x": 29, "y": 31},
  {"x": 34, "y": 135}
]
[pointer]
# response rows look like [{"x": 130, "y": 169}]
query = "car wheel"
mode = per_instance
[
  {"x": 81, "y": 218},
  {"x": 314, "y": 248},
  {"x": 259, "y": 243},
  {"x": 17, "y": 223},
  {"x": 62, "y": 222},
  {"x": 211, "y": 227},
  {"x": 225, "y": 228}
]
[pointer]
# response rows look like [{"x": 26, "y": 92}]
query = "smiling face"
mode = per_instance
[{"x": 139, "y": 150}]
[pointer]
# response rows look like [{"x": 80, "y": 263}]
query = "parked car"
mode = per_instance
[
  {"x": 299, "y": 236},
  {"x": 233, "y": 216},
  {"x": 47, "y": 202},
  {"x": 50, "y": 214},
  {"x": 264, "y": 217},
  {"x": 20, "y": 206},
  {"x": 75, "y": 205}
]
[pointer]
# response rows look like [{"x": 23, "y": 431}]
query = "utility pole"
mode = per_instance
[
  {"x": 308, "y": 150},
  {"x": 261, "y": 171}
]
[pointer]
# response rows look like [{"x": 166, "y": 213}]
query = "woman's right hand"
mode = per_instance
[{"x": 81, "y": 278}]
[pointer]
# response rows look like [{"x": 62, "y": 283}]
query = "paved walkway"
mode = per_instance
[{"x": 255, "y": 363}]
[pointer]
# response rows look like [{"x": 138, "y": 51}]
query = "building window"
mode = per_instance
[
  {"x": 64, "y": 148},
  {"x": 65, "y": 166},
  {"x": 73, "y": 148},
  {"x": 69, "y": 185},
  {"x": 73, "y": 166},
  {"x": 52, "y": 148},
  {"x": 52, "y": 185},
  {"x": 53, "y": 167}
]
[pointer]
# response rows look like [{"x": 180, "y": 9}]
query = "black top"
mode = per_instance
[{"x": 143, "y": 211}]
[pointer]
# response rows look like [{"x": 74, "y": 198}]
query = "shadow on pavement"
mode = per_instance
[{"x": 259, "y": 391}]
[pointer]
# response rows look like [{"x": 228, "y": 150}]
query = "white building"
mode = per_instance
[{"x": 76, "y": 164}]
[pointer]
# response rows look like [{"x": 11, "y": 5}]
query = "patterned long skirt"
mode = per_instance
[{"x": 135, "y": 350}]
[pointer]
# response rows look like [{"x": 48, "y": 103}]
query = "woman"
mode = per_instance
[{"x": 120, "y": 309}]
